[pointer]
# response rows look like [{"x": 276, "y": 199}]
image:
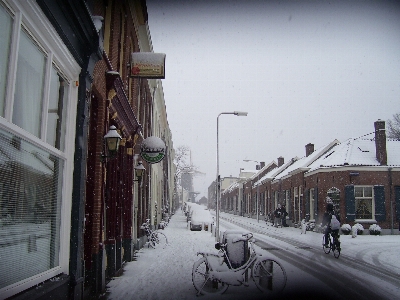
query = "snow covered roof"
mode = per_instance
[
  {"x": 230, "y": 188},
  {"x": 274, "y": 172},
  {"x": 303, "y": 163},
  {"x": 357, "y": 152},
  {"x": 352, "y": 152}
]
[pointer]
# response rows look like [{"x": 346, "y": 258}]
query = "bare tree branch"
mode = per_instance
[{"x": 394, "y": 127}]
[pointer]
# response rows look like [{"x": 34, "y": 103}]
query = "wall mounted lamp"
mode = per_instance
[
  {"x": 112, "y": 140},
  {"x": 139, "y": 171}
]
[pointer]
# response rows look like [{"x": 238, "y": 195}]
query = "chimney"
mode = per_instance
[
  {"x": 262, "y": 163},
  {"x": 380, "y": 142},
  {"x": 281, "y": 161},
  {"x": 309, "y": 149},
  {"x": 257, "y": 167}
]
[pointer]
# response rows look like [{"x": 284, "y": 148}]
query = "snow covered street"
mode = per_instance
[{"x": 166, "y": 273}]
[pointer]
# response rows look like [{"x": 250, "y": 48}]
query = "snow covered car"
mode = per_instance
[{"x": 201, "y": 219}]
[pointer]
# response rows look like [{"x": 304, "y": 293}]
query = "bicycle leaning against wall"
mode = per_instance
[
  {"x": 154, "y": 237},
  {"x": 213, "y": 273}
]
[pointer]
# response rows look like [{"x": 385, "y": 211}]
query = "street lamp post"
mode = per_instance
[
  {"x": 258, "y": 188},
  {"x": 236, "y": 113}
]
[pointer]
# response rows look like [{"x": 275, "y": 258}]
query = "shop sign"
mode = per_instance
[
  {"x": 148, "y": 65},
  {"x": 152, "y": 149}
]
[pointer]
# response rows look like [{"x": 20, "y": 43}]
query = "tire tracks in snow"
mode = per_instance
[{"x": 361, "y": 282}]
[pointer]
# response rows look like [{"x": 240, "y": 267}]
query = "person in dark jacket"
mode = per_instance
[
  {"x": 283, "y": 215},
  {"x": 278, "y": 216},
  {"x": 326, "y": 220}
]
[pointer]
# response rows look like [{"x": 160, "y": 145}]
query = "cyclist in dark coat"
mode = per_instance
[{"x": 326, "y": 220}]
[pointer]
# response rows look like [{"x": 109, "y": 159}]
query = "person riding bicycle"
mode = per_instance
[{"x": 332, "y": 227}]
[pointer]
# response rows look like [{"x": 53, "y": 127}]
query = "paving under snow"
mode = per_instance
[{"x": 166, "y": 273}]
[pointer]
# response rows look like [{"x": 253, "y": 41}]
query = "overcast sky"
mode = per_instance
[{"x": 305, "y": 71}]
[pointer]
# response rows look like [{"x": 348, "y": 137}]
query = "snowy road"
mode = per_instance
[
  {"x": 356, "y": 275},
  {"x": 166, "y": 273}
]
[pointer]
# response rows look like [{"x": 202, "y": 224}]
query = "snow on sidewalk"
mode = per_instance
[
  {"x": 166, "y": 273},
  {"x": 163, "y": 273}
]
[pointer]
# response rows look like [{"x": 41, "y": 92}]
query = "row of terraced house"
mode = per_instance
[
  {"x": 360, "y": 175},
  {"x": 70, "y": 207}
]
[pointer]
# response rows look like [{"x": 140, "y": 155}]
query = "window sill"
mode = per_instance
[{"x": 365, "y": 221}]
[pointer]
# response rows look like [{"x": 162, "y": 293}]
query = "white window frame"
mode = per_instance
[
  {"x": 28, "y": 14},
  {"x": 363, "y": 197},
  {"x": 288, "y": 208},
  {"x": 312, "y": 204},
  {"x": 295, "y": 199}
]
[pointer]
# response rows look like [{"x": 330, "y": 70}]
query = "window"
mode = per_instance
[
  {"x": 39, "y": 103},
  {"x": 334, "y": 194},
  {"x": 28, "y": 97},
  {"x": 5, "y": 38},
  {"x": 312, "y": 203},
  {"x": 30, "y": 209},
  {"x": 287, "y": 196},
  {"x": 363, "y": 202},
  {"x": 35, "y": 70},
  {"x": 56, "y": 120},
  {"x": 296, "y": 208}
]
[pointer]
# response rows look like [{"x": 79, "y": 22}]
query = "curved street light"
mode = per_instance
[{"x": 236, "y": 113}]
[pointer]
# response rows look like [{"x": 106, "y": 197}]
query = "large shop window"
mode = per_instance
[
  {"x": 364, "y": 204},
  {"x": 30, "y": 201}
]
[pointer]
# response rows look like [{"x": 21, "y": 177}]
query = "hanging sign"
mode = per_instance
[
  {"x": 152, "y": 149},
  {"x": 148, "y": 65}
]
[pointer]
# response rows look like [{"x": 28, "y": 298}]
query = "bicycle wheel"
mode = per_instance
[
  {"x": 152, "y": 240},
  {"x": 202, "y": 282},
  {"x": 158, "y": 239},
  {"x": 336, "y": 248},
  {"x": 326, "y": 249},
  {"x": 269, "y": 276}
]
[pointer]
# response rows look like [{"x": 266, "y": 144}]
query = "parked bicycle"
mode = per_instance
[
  {"x": 213, "y": 273},
  {"x": 154, "y": 238},
  {"x": 333, "y": 245}
]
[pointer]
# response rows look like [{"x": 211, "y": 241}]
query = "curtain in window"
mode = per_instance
[{"x": 30, "y": 209}]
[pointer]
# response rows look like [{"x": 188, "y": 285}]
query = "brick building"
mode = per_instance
[
  {"x": 361, "y": 176},
  {"x": 69, "y": 212}
]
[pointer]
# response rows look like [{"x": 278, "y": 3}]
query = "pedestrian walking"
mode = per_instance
[
  {"x": 283, "y": 215},
  {"x": 278, "y": 216},
  {"x": 303, "y": 226}
]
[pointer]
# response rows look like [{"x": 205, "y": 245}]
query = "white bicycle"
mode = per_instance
[
  {"x": 154, "y": 238},
  {"x": 213, "y": 273}
]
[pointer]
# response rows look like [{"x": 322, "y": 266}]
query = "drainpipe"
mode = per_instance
[{"x": 391, "y": 200}]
